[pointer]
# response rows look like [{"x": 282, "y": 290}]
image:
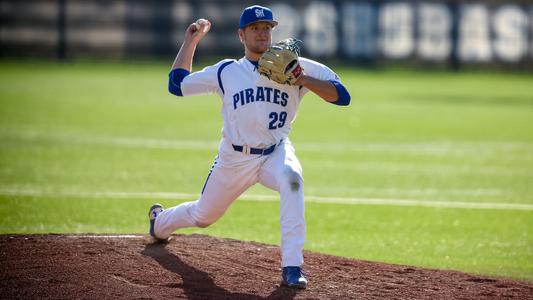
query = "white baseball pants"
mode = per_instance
[{"x": 233, "y": 173}]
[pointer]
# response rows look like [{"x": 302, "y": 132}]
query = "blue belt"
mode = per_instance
[{"x": 257, "y": 151}]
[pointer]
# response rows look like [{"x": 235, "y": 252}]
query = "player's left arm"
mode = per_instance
[
  {"x": 322, "y": 81},
  {"x": 329, "y": 90}
]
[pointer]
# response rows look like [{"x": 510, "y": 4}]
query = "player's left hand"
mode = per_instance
[
  {"x": 280, "y": 62},
  {"x": 300, "y": 80}
]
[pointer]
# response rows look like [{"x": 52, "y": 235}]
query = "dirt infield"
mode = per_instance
[{"x": 202, "y": 267}]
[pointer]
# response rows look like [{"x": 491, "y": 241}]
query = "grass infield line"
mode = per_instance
[
  {"x": 270, "y": 198},
  {"x": 437, "y": 148}
]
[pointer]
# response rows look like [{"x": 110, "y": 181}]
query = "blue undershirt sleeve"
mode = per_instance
[
  {"x": 344, "y": 96},
  {"x": 174, "y": 80}
]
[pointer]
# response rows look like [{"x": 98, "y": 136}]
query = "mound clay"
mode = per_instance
[{"x": 202, "y": 267}]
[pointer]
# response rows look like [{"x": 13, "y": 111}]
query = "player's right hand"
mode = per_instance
[{"x": 197, "y": 30}]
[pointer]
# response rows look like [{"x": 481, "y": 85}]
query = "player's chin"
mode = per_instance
[
  {"x": 262, "y": 46},
  {"x": 260, "y": 49}
]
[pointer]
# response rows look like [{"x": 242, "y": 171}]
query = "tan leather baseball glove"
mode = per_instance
[{"x": 280, "y": 62}]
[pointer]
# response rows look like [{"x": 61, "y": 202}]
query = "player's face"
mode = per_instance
[{"x": 257, "y": 37}]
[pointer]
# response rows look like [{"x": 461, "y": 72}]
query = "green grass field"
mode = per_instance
[{"x": 87, "y": 147}]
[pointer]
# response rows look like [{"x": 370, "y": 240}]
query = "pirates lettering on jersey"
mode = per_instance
[{"x": 263, "y": 94}]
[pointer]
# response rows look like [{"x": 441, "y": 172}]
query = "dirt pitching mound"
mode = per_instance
[{"x": 202, "y": 267}]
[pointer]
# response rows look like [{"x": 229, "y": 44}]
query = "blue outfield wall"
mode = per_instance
[{"x": 450, "y": 33}]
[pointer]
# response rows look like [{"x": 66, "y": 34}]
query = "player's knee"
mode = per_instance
[
  {"x": 294, "y": 179},
  {"x": 295, "y": 185}
]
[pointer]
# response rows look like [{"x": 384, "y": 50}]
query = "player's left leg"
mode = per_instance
[
  {"x": 225, "y": 183},
  {"x": 282, "y": 172}
]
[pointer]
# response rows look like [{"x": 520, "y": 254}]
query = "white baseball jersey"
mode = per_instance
[{"x": 258, "y": 113}]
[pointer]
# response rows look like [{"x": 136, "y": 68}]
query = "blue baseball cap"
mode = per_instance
[{"x": 256, "y": 13}]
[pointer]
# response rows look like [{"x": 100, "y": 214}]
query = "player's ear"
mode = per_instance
[{"x": 241, "y": 35}]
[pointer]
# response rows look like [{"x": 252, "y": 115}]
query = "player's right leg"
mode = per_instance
[{"x": 223, "y": 185}]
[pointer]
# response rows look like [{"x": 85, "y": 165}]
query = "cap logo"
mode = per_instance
[{"x": 259, "y": 13}]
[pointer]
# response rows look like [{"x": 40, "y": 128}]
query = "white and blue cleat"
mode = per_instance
[
  {"x": 155, "y": 210},
  {"x": 294, "y": 277}
]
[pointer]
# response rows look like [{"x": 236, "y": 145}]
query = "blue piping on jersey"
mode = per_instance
[
  {"x": 220, "y": 71},
  {"x": 344, "y": 96},
  {"x": 174, "y": 81},
  {"x": 255, "y": 63}
]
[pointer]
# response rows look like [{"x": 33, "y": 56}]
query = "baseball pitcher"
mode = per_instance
[{"x": 260, "y": 94}]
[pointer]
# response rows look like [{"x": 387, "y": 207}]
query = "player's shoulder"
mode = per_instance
[
  {"x": 317, "y": 69},
  {"x": 306, "y": 62},
  {"x": 312, "y": 66},
  {"x": 223, "y": 63},
  {"x": 218, "y": 67}
]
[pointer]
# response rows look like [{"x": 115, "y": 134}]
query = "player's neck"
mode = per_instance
[
  {"x": 252, "y": 56},
  {"x": 254, "y": 62}
]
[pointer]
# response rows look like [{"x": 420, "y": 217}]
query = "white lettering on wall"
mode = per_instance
[
  {"x": 396, "y": 30},
  {"x": 531, "y": 32},
  {"x": 359, "y": 29},
  {"x": 510, "y": 29},
  {"x": 288, "y": 22},
  {"x": 474, "y": 33},
  {"x": 321, "y": 32},
  {"x": 434, "y": 27}
]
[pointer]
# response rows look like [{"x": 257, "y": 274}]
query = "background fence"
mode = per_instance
[{"x": 446, "y": 33}]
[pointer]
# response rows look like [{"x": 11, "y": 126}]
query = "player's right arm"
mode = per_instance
[
  {"x": 193, "y": 36},
  {"x": 181, "y": 81}
]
